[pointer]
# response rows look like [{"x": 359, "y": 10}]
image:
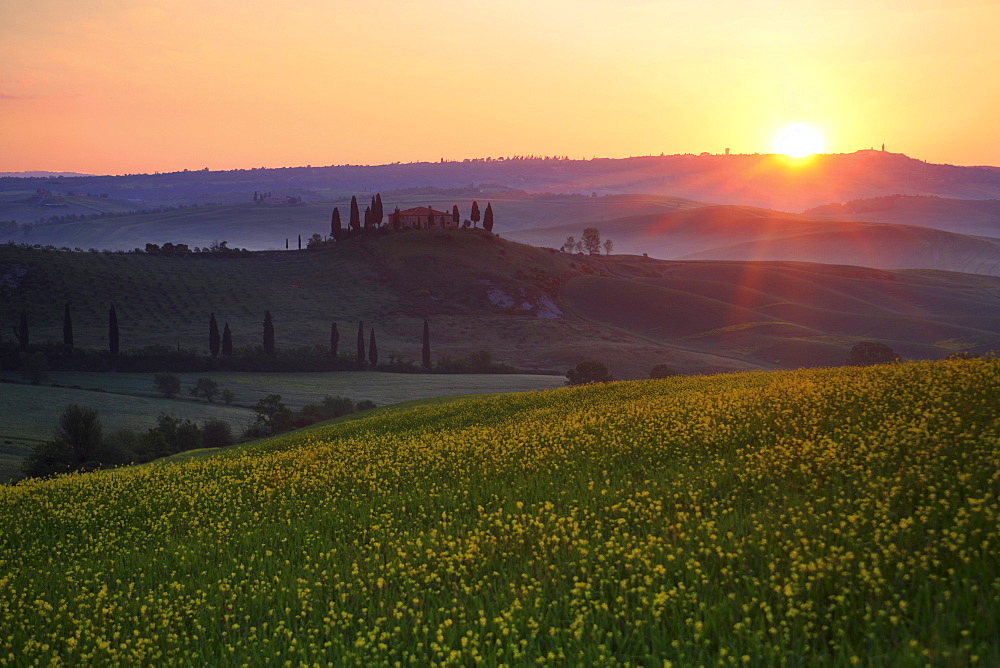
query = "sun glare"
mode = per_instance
[{"x": 798, "y": 140}]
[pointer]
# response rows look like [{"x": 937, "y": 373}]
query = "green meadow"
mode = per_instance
[
  {"x": 130, "y": 401},
  {"x": 826, "y": 517}
]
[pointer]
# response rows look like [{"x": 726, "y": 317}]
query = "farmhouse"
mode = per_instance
[{"x": 419, "y": 218}]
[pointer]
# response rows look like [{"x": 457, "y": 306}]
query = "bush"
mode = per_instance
[
  {"x": 205, "y": 387},
  {"x": 662, "y": 371},
  {"x": 167, "y": 384},
  {"x": 180, "y": 435},
  {"x": 588, "y": 372},
  {"x": 216, "y": 433},
  {"x": 228, "y": 396},
  {"x": 365, "y": 405},
  {"x": 272, "y": 415},
  {"x": 867, "y": 353}
]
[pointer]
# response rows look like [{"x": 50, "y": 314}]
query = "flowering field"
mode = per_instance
[{"x": 820, "y": 517}]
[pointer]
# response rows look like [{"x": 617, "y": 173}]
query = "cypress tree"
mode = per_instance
[
  {"x": 335, "y": 228},
  {"x": 355, "y": 222},
  {"x": 454, "y": 214},
  {"x": 300, "y": 242},
  {"x": 286, "y": 243},
  {"x": 488, "y": 218},
  {"x": 213, "y": 336},
  {"x": 22, "y": 331},
  {"x": 427, "y": 346},
  {"x": 268, "y": 334},
  {"x": 67, "y": 328},
  {"x": 114, "y": 341},
  {"x": 227, "y": 341},
  {"x": 372, "y": 208},
  {"x": 377, "y": 210},
  {"x": 475, "y": 213},
  {"x": 372, "y": 349},
  {"x": 334, "y": 339},
  {"x": 361, "y": 342},
  {"x": 397, "y": 219},
  {"x": 368, "y": 219}
]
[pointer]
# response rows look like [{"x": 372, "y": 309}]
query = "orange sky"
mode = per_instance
[{"x": 113, "y": 86}]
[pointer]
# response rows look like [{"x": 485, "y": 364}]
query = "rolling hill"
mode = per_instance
[
  {"x": 536, "y": 309},
  {"x": 771, "y": 181},
  {"x": 747, "y": 233},
  {"x": 965, "y": 216}
]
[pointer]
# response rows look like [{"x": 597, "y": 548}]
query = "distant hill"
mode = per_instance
[
  {"x": 747, "y": 233},
  {"x": 770, "y": 181},
  {"x": 976, "y": 217},
  {"x": 529, "y": 307},
  {"x": 39, "y": 175}
]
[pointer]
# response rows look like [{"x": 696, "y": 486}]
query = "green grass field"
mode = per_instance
[
  {"x": 829, "y": 517},
  {"x": 130, "y": 401}
]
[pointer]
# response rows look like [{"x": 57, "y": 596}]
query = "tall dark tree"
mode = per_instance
[
  {"x": 355, "y": 221},
  {"x": 361, "y": 341},
  {"x": 286, "y": 243},
  {"x": 334, "y": 339},
  {"x": 336, "y": 230},
  {"x": 377, "y": 211},
  {"x": 475, "y": 213},
  {"x": 397, "y": 219},
  {"x": 268, "y": 334},
  {"x": 454, "y": 214},
  {"x": 368, "y": 219},
  {"x": 372, "y": 349},
  {"x": 227, "y": 341},
  {"x": 488, "y": 218},
  {"x": 22, "y": 331},
  {"x": 67, "y": 328},
  {"x": 213, "y": 336},
  {"x": 372, "y": 208},
  {"x": 300, "y": 242},
  {"x": 426, "y": 357},
  {"x": 114, "y": 340}
]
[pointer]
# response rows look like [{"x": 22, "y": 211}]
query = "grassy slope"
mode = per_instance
[
  {"x": 966, "y": 216},
  {"x": 623, "y": 310},
  {"x": 823, "y": 517}
]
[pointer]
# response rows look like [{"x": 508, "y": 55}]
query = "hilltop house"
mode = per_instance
[{"x": 419, "y": 218}]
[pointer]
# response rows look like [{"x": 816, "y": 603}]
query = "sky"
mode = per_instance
[{"x": 123, "y": 86}]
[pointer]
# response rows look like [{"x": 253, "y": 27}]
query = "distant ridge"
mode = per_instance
[
  {"x": 39, "y": 175},
  {"x": 762, "y": 180}
]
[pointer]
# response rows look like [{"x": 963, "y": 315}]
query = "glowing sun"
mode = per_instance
[{"x": 798, "y": 140}]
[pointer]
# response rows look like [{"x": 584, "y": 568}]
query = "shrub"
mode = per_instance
[
  {"x": 662, "y": 371},
  {"x": 365, "y": 405},
  {"x": 867, "y": 353},
  {"x": 588, "y": 372},
  {"x": 167, "y": 384},
  {"x": 228, "y": 396},
  {"x": 205, "y": 387},
  {"x": 216, "y": 433}
]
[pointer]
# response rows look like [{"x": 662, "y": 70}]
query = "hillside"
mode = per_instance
[
  {"x": 746, "y": 233},
  {"x": 771, "y": 181},
  {"x": 535, "y": 309},
  {"x": 821, "y": 517},
  {"x": 966, "y": 216}
]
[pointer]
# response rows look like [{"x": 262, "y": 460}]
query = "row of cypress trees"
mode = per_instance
[
  {"x": 371, "y": 355},
  {"x": 23, "y": 334}
]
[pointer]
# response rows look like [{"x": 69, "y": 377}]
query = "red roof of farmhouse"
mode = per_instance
[{"x": 423, "y": 211}]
